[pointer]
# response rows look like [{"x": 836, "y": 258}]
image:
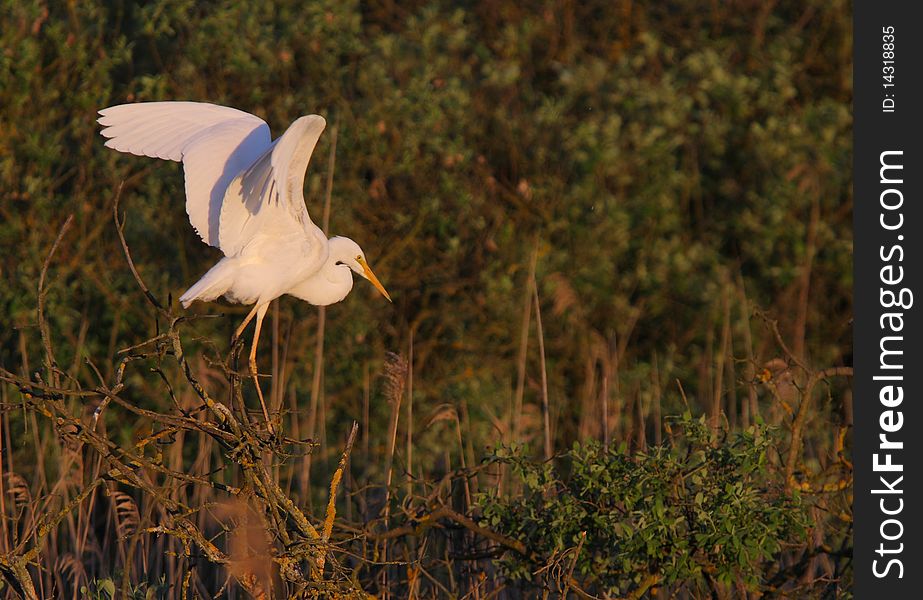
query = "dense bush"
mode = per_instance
[{"x": 684, "y": 516}]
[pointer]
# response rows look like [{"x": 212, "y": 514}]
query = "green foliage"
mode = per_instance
[
  {"x": 101, "y": 589},
  {"x": 693, "y": 512},
  {"x": 105, "y": 589}
]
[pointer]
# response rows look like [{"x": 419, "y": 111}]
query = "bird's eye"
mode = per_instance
[{"x": 359, "y": 258}]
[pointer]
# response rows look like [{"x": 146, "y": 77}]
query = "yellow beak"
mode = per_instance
[{"x": 367, "y": 273}]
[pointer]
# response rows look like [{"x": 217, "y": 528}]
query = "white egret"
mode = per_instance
[{"x": 244, "y": 196}]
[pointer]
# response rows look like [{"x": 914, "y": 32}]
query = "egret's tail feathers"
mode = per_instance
[{"x": 212, "y": 286}]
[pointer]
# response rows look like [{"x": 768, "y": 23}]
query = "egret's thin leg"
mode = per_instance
[
  {"x": 260, "y": 313},
  {"x": 240, "y": 330}
]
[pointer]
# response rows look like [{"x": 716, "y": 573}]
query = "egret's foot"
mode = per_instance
[{"x": 236, "y": 342}]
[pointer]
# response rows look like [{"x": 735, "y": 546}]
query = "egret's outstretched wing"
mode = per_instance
[
  {"x": 215, "y": 143},
  {"x": 268, "y": 196}
]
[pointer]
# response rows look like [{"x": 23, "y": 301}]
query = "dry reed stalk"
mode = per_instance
[
  {"x": 127, "y": 520},
  {"x": 801, "y": 315},
  {"x": 366, "y": 426},
  {"x": 461, "y": 450},
  {"x": 317, "y": 373},
  {"x": 322, "y": 445},
  {"x": 8, "y": 449},
  {"x": 642, "y": 418},
  {"x": 73, "y": 372},
  {"x": 23, "y": 505},
  {"x": 658, "y": 418},
  {"x": 471, "y": 483},
  {"x": 113, "y": 339},
  {"x": 847, "y": 408},
  {"x": 720, "y": 358},
  {"x": 589, "y": 398},
  {"x": 175, "y": 462},
  {"x": 284, "y": 372},
  {"x": 617, "y": 409},
  {"x": 546, "y": 416},
  {"x": 349, "y": 485},
  {"x": 409, "y": 423},
  {"x": 276, "y": 383},
  {"x": 750, "y": 409},
  {"x": 295, "y": 424},
  {"x": 4, "y": 530},
  {"x": 519, "y": 393},
  {"x": 704, "y": 394},
  {"x": 68, "y": 565},
  {"x": 396, "y": 377},
  {"x": 604, "y": 401},
  {"x": 731, "y": 382},
  {"x": 416, "y": 571}
]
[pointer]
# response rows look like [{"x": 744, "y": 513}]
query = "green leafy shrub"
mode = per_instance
[
  {"x": 105, "y": 589},
  {"x": 691, "y": 513}
]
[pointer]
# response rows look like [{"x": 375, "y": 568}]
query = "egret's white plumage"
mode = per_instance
[{"x": 244, "y": 196}]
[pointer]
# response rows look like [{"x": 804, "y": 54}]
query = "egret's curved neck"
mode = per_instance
[
  {"x": 332, "y": 282},
  {"x": 329, "y": 285}
]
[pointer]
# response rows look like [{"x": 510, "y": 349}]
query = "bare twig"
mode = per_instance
[
  {"x": 334, "y": 483},
  {"x": 51, "y": 364},
  {"x": 119, "y": 229}
]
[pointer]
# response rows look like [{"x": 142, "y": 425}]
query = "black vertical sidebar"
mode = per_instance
[{"x": 888, "y": 326}]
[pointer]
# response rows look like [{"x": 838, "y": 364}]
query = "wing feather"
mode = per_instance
[
  {"x": 238, "y": 182},
  {"x": 268, "y": 195},
  {"x": 129, "y": 126},
  {"x": 215, "y": 143}
]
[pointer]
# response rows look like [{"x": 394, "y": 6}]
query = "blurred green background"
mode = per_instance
[{"x": 671, "y": 166}]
